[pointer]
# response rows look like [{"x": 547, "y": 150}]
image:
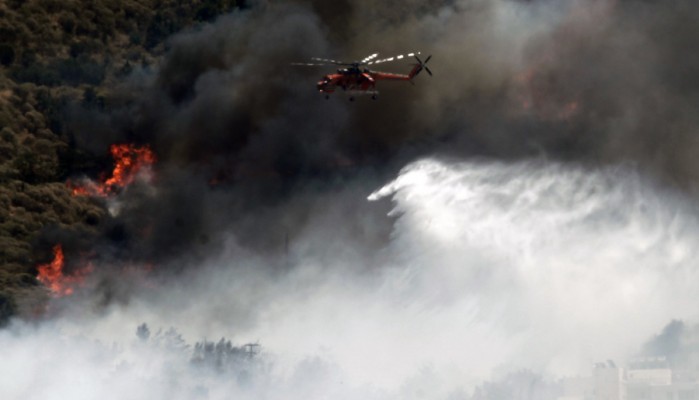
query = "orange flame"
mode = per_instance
[
  {"x": 52, "y": 276},
  {"x": 77, "y": 190},
  {"x": 129, "y": 161}
]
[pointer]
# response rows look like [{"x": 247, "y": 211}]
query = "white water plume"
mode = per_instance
[{"x": 570, "y": 265}]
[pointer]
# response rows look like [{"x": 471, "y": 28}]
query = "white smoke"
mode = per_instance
[{"x": 491, "y": 267}]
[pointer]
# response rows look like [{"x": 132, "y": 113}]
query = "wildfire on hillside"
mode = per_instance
[
  {"x": 53, "y": 276},
  {"x": 130, "y": 162}
]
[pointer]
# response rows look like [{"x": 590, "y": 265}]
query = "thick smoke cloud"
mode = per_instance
[
  {"x": 230, "y": 123},
  {"x": 599, "y": 83}
]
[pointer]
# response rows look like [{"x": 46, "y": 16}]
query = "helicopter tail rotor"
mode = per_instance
[{"x": 417, "y": 68}]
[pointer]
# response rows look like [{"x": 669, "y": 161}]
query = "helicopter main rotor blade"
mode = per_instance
[
  {"x": 369, "y": 58},
  {"x": 325, "y": 60},
  {"x": 394, "y": 58}
]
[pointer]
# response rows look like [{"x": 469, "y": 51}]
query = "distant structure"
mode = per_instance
[
  {"x": 648, "y": 378},
  {"x": 251, "y": 349},
  {"x": 609, "y": 382}
]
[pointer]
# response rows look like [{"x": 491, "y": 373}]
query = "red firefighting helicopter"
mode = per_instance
[{"x": 356, "y": 80}]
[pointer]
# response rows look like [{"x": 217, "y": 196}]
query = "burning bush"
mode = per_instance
[
  {"x": 130, "y": 161},
  {"x": 53, "y": 276}
]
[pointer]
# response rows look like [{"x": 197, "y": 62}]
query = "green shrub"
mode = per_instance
[
  {"x": 46, "y": 169},
  {"x": 53, "y": 108},
  {"x": 28, "y": 58},
  {"x": 67, "y": 23},
  {"x": 53, "y": 6},
  {"x": 36, "y": 73},
  {"x": 8, "y": 32},
  {"x": 12, "y": 249},
  {"x": 24, "y": 164},
  {"x": 80, "y": 70},
  {"x": 83, "y": 47},
  {"x": 25, "y": 280},
  {"x": 7, "y": 135},
  {"x": 7, "y": 152},
  {"x": 8, "y": 121},
  {"x": 26, "y": 202}
]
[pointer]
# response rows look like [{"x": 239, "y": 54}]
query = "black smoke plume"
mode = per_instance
[{"x": 241, "y": 134}]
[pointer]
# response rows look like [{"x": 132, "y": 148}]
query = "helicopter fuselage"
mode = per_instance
[
  {"x": 347, "y": 79},
  {"x": 356, "y": 80}
]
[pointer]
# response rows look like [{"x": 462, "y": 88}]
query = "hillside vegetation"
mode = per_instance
[{"x": 54, "y": 53}]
